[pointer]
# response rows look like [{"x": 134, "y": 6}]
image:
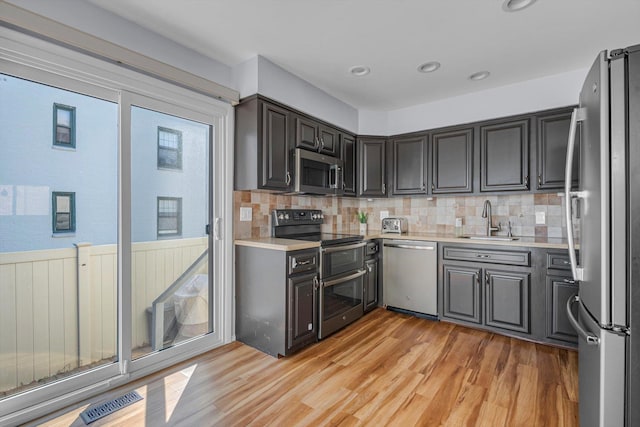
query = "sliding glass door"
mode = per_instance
[
  {"x": 111, "y": 264},
  {"x": 170, "y": 260}
]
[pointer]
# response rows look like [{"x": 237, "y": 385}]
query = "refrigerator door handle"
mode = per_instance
[
  {"x": 588, "y": 337},
  {"x": 577, "y": 115}
]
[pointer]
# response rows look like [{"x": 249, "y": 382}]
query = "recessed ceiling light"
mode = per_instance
[
  {"x": 516, "y": 5},
  {"x": 429, "y": 67},
  {"x": 480, "y": 75},
  {"x": 359, "y": 70}
]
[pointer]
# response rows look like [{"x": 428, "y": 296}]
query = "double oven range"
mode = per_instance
[{"x": 341, "y": 266}]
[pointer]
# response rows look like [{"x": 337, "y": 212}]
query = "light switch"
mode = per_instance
[
  {"x": 245, "y": 214},
  {"x": 540, "y": 218},
  {"x": 384, "y": 214}
]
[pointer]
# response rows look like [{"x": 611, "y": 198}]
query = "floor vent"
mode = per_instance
[{"x": 104, "y": 409}]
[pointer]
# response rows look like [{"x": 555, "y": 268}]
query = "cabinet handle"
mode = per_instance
[
  {"x": 486, "y": 278},
  {"x": 483, "y": 256},
  {"x": 539, "y": 181},
  {"x": 433, "y": 187},
  {"x": 569, "y": 281},
  {"x": 316, "y": 142},
  {"x": 316, "y": 283},
  {"x": 288, "y": 179},
  {"x": 477, "y": 279},
  {"x": 384, "y": 189},
  {"x": 526, "y": 181},
  {"x": 321, "y": 144},
  {"x": 369, "y": 268}
]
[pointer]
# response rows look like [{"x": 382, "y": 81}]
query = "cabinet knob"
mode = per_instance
[
  {"x": 526, "y": 181},
  {"x": 539, "y": 181}
]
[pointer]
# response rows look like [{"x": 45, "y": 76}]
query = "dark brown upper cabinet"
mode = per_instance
[
  {"x": 409, "y": 168},
  {"x": 504, "y": 156},
  {"x": 452, "y": 161},
  {"x": 312, "y": 135},
  {"x": 553, "y": 135},
  {"x": 262, "y": 146},
  {"x": 350, "y": 168},
  {"x": 371, "y": 162}
]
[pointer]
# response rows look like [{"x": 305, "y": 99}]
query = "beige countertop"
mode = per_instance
[
  {"x": 294, "y": 245},
  {"x": 277, "y": 244}
]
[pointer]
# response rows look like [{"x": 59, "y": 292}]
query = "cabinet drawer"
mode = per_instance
[
  {"x": 372, "y": 248},
  {"x": 558, "y": 261},
  {"x": 488, "y": 256},
  {"x": 300, "y": 262}
]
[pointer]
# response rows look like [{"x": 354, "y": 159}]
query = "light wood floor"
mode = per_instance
[{"x": 385, "y": 369}]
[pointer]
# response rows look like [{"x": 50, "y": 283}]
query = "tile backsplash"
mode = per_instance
[{"x": 424, "y": 215}]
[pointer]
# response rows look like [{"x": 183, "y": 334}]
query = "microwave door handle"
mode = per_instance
[{"x": 333, "y": 175}]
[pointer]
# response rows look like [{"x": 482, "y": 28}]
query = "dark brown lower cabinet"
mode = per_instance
[
  {"x": 461, "y": 293},
  {"x": 507, "y": 300},
  {"x": 370, "y": 294},
  {"x": 302, "y": 307},
  {"x": 559, "y": 289},
  {"x": 276, "y": 298}
]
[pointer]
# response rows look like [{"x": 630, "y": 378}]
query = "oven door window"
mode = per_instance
[
  {"x": 315, "y": 174},
  {"x": 341, "y": 297},
  {"x": 337, "y": 262}
]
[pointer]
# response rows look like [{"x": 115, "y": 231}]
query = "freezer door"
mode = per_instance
[
  {"x": 595, "y": 290},
  {"x": 602, "y": 375}
]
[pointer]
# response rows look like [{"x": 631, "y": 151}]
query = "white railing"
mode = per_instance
[{"x": 58, "y": 307}]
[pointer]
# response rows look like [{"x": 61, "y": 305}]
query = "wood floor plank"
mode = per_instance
[{"x": 385, "y": 369}]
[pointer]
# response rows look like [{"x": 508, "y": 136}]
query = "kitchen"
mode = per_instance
[{"x": 529, "y": 207}]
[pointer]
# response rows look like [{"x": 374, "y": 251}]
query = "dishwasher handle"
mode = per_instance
[{"x": 403, "y": 246}]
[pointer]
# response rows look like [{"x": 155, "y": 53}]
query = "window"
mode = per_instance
[
  {"x": 169, "y": 148},
  {"x": 64, "y": 125},
  {"x": 169, "y": 216},
  {"x": 64, "y": 212}
]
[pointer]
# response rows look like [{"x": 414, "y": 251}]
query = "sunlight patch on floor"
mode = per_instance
[{"x": 175, "y": 384}]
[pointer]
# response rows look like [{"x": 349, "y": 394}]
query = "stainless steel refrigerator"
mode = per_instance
[{"x": 606, "y": 207}]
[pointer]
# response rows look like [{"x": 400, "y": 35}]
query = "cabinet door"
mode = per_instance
[
  {"x": 461, "y": 290},
  {"x": 275, "y": 147},
  {"x": 559, "y": 289},
  {"x": 349, "y": 158},
  {"x": 370, "y": 296},
  {"x": 553, "y": 133},
  {"x": 371, "y": 156},
  {"x": 452, "y": 161},
  {"x": 409, "y": 165},
  {"x": 329, "y": 140},
  {"x": 507, "y": 300},
  {"x": 504, "y": 156},
  {"x": 302, "y": 314},
  {"x": 306, "y": 133}
]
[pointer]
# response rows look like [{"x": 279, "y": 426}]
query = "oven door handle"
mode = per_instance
[
  {"x": 342, "y": 247},
  {"x": 355, "y": 275}
]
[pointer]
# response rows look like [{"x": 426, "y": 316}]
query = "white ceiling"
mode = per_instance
[{"x": 319, "y": 40}]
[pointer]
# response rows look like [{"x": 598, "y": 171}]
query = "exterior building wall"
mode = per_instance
[{"x": 32, "y": 167}]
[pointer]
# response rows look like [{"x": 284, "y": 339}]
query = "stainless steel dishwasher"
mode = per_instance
[{"x": 410, "y": 275}]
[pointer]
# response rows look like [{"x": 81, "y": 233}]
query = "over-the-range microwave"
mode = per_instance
[{"x": 317, "y": 174}]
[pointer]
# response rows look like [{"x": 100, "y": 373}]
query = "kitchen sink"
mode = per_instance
[{"x": 498, "y": 238}]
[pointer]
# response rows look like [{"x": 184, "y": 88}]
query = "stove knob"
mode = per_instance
[
  {"x": 321, "y": 216},
  {"x": 286, "y": 216},
  {"x": 281, "y": 217}
]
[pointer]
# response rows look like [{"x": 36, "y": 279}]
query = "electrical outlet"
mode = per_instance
[
  {"x": 245, "y": 214},
  {"x": 384, "y": 214},
  {"x": 540, "y": 218}
]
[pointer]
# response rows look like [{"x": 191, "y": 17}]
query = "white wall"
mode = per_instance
[
  {"x": 93, "y": 20},
  {"x": 281, "y": 85},
  {"x": 259, "y": 75},
  {"x": 547, "y": 92}
]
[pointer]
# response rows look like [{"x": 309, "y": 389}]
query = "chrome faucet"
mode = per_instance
[{"x": 486, "y": 213}]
